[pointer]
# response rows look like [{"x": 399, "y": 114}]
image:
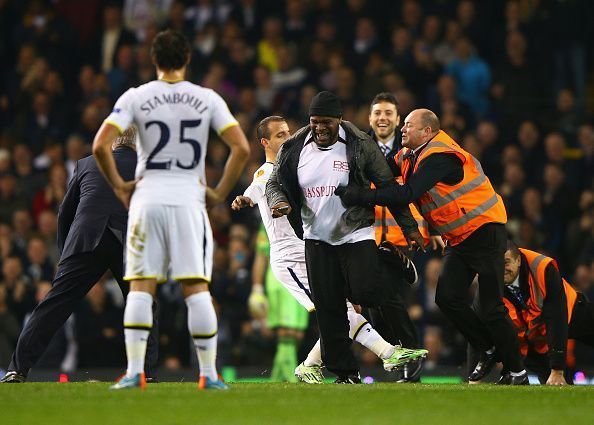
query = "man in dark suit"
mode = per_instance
[{"x": 91, "y": 230}]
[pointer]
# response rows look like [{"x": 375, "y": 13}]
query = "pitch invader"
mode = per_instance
[
  {"x": 168, "y": 227},
  {"x": 287, "y": 260}
]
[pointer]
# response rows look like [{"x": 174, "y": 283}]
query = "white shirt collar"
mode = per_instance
[
  {"x": 389, "y": 144},
  {"x": 418, "y": 149},
  {"x": 516, "y": 283}
]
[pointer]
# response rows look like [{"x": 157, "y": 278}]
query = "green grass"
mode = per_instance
[{"x": 266, "y": 403}]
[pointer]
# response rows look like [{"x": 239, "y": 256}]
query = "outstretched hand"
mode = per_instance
[{"x": 241, "y": 202}]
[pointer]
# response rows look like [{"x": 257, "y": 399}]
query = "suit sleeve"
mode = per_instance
[
  {"x": 378, "y": 171},
  {"x": 554, "y": 312},
  {"x": 68, "y": 208}
]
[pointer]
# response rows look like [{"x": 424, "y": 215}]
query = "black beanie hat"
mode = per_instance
[{"x": 325, "y": 104}]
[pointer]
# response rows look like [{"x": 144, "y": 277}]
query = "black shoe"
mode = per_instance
[
  {"x": 349, "y": 379},
  {"x": 483, "y": 367},
  {"x": 507, "y": 379},
  {"x": 152, "y": 380},
  {"x": 13, "y": 377},
  {"x": 390, "y": 253},
  {"x": 411, "y": 372}
]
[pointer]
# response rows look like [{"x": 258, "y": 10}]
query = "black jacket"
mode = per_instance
[
  {"x": 366, "y": 165},
  {"x": 90, "y": 205}
]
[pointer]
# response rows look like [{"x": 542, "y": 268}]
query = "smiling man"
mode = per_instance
[{"x": 340, "y": 251}]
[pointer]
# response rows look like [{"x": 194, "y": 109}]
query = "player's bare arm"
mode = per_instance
[
  {"x": 104, "y": 157},
  {"x": 240, "y": 151}
]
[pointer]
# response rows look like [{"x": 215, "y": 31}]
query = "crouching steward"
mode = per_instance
[{"x": 546, "y": 311}]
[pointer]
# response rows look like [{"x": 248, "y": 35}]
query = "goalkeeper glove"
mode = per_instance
[{"x": 257, "y": 302}]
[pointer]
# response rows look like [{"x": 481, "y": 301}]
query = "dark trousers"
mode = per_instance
[
  {"x": 390, "y": 319},
  {"x": 482, "y": 254},
  {"x": 338, "y": 272},
  {"x": 75, "y": 277}
]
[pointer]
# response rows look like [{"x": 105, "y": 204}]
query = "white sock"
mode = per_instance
[
  {"x": 362, "y": 332},
  {"x": 523, "y": 371},
  {"x": 138, "y": 321},
  {"x": 314, "y": 357},
  {"x": 368, "y": 337},
  {"x": 202, "y": 324}
]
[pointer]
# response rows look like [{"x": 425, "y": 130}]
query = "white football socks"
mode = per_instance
[
  {"x": 138, "y": 321},
  {"x": 314, "y": 358},
  {"x": 362, "y": 332},
  {"x": 202, "y": 324}
]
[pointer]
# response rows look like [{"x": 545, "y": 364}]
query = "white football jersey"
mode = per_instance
[
  {"x": 283, "y": 241},
  {"x": 173, "y": 121},
  {"x": 320, "y": 171}
]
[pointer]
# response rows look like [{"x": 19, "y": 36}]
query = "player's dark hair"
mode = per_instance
[
  {"x": 263, "y": 129},
  {"x": 170, "y": 50},
  {"x": 384, "y": 97},
  {"x": 513, "y": 248}
]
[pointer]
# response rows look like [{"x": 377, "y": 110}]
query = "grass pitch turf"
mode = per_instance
[{"x": 267, "y": 403}]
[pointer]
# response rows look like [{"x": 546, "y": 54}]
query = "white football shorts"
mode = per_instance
[
  {"x": 177, "y": 238},
  {"x": 293, "y": 276}
]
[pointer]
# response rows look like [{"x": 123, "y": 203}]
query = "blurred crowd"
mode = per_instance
[{"x": 511, "y": 81}]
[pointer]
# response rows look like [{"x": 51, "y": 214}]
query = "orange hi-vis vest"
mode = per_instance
[
  {"x": 392, "y": 231},
  {"x": 456, "y": 210},
  {"x": 529, "y": 323}
]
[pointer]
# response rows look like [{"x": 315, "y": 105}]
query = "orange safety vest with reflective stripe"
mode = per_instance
[
  {"x": 393, "y": 232},
  {"x": 456, "y": 210},
  {"x": 529, "y": 323}
]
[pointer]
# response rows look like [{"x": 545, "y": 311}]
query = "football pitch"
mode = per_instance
[{"x": 267, "y": 403}]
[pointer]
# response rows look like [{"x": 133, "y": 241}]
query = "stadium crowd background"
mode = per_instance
[{"x": 512, "y": 81}]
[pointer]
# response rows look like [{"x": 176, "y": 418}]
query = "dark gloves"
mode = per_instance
[{"x": 352, "y": 195}]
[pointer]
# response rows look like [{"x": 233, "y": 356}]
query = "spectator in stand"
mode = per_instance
[
  {"x": 512, "y": 188},
  {"x": 138, "y": 15},
  {"x": 20, "y": 294},
  {"x": 28, "y": 180},
  {"x": 528, "y": 138},
  {"x": 22, "y": 224},
  {"x": 75, "y": 149},
  {"x": 9, "y": 328},
  {"x": 123, "y": 75},
  {"x": 520, "y": 86},
  {"x": 47, "y": 226},
  {"x": 10, "y": 199},
  {"x": 473, "y": 77},
  {"x": 112, "y": 36},
  {"x": 52, "y": 195},
  {"x": 585, "y": 141},
  {"x": 37, "y": 265},
  {"x": 555, "y": 146}
]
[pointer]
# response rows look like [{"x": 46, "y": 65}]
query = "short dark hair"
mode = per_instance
[
  {"x": 263, "y": 130},
  {"x": 170, "y": 50},
  {"x": 513, "y": 248},
  {"x": 384, "y": 97}
]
